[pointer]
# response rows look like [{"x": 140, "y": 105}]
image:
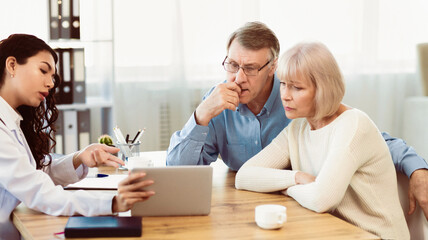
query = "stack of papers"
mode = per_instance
[{"x": 93, "y": 183}]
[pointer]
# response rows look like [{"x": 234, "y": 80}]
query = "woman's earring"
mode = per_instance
[{"x": 12, "y": 76}]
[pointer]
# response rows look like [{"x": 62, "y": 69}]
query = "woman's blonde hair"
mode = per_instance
[{"x": 315, "y": 63}]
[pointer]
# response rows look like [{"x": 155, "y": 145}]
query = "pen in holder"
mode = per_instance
[{"x": 128, "y": 150}]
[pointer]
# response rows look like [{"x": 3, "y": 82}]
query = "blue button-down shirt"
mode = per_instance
[
  {"x": 405, "y": 158},
  {"x": 235, "y": 135},
  {"x": 239, "y": 135}
]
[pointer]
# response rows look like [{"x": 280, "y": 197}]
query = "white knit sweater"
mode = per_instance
[{"x": 355, "y": 175}]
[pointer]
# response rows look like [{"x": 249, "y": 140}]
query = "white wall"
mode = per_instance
[
  {"x": 23, "y": 16},
  {"x": 381, "y": 95}
]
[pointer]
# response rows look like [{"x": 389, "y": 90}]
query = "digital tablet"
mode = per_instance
[{"x": 179, "y": 191}]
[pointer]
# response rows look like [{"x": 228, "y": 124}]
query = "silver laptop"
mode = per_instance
[{"x": 179, "y": 191}]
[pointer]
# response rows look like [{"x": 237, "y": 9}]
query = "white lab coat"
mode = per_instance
[{"x": 37, "y": 189}]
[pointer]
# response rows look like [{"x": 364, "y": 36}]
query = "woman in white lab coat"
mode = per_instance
[{"x": 28, "y": 174}]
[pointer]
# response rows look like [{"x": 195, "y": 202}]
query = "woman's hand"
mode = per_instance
[
  {"x": 304, "y": 178},
  {"x": 96, "y": 155},
  {"x": 130, "y": 192},
  {"x": 301, "y": 178}
]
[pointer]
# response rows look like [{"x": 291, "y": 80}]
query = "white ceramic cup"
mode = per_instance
[
  {"x": 139, "y": 162},
  {"x": 270, "y": 216}
]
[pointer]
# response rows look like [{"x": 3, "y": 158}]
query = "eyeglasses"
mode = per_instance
[{"x": 249, "y": 71}]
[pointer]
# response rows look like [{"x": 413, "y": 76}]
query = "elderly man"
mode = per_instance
[{"x": 242, "y": 115}]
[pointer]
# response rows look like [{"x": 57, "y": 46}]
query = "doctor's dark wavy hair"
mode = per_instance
[{"x": 38, "y": 122}]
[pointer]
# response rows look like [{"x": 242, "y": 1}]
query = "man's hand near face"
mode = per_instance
[{"x": 224, "y": 96}]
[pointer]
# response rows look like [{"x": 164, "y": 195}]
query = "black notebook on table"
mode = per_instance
[{"x": 103, "y": 226}]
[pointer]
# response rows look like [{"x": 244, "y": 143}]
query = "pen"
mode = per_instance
[
  {"x": 121, "y": 142},
  {"x": 119, "y": 135},
  {"x": 98, "y": 175},
  {"x": 137, "y": 138},
  {"x": 136, "y": 135},
  {"x": 127, "y": 138}
]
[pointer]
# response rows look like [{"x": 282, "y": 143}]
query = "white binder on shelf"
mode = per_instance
[
  {"x": 70, "y": 131},
  {"x": 59, "y": 134},
  {"x": 54, "y": 23},
  {"x": 84, "y": 127},
  {"x": 78, "y": 75},
  {"x": 65, "y": 18}
]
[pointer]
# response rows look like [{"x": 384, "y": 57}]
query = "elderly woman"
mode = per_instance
[{"x": 339, "y": 160}]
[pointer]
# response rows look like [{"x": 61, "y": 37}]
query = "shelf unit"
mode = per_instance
[{"x": 96, "y": 38}]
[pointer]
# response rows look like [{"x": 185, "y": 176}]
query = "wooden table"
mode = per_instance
[{"x": 231, "y": 217}]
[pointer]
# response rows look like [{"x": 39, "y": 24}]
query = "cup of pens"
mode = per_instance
[
  {"x": 128, "y": 147},
  {"x": 128, "y": 150}
]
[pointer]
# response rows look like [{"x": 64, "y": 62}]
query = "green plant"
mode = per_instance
[{"x": 105, "y": 139}]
